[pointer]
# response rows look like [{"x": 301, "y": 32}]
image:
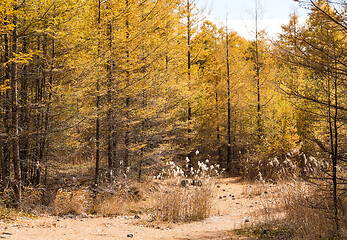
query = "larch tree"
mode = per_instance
[{"x": 319, "y": 49}]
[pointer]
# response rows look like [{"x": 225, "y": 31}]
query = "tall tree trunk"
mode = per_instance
[
  {"x": 97, "y": 124},
  {"x": 42, "y": 114},
  {"x": 127, "y": 100},
  {"x": 24, "y": 119},
  {"x": 48, "y": 111},
  {"x": 6, "y": 117},
  {"x": 334, "y": 144},
  {"x": 15, "y": 126},
  {"x": 228, "y": 163},
  {"x": 218, "y": 129},
  {"x": 189, "y": 110},
  {"x": 110, "y": 115},
  {"x": 32, "y": 166},
  {"x": 257, "y": 69},
  {"x": 143, "y": 136}
]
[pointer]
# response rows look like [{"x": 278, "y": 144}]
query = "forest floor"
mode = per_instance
[{"x": 236, "y": 205}]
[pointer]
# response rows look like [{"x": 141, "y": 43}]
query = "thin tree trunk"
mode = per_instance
[
  {"x": 33, "y": 173},
  {"x": 335, "y": 151},
  {"x": 48, "y": 112},
  {"x": 218, "y": 128},
  {"x": 41, "y": 118},
  {"x": 189, "y": 117},
  {"x": 143, "y": 136},
  {"x": 6, "y": 117},
  {"x": 127, "y": 101},
  {"x": 257, "y": 67},
  {"x": 111, "y": 133},
  {"x": 332, "y": 118},
  {"x": 228, "y": 163},
  {"x": 97, "y": 125},
  {"x": 189, "y": 110},
  {"x": 24, "y": 141},
  {"x": 15, "y": 126}
]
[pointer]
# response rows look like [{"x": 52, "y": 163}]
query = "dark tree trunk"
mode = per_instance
[
  {"x": 111, "y": 142},
  {"x": 48, "y": 114},
  {"x": 228, "y": 163},
  {"x": 127, "y": 100},
  {"x": 24, "y": 120},
  {"x": 257, "y": 70},
  {"x": 97, "y": 124},
  {"x": 15, "y": 126},
  {"x": 143, "y": 136},
  {"x": 189, "y": 62},
  {"x": 333, "y": 130},
  {"x": 6, "y": 116},
  {"x": 220, "y": 158}
]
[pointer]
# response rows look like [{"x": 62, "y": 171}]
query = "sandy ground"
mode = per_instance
[{"x": 236, "y": 205}]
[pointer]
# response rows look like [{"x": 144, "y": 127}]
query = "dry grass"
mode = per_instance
[
  {"x": 270, "y": 196},
  {"x": 299, "y": 209},
  {"x": 175, "y": 203},
  {"x": 257, "y": 167},
  {"x": 185, "y": 201},
  {"x": 169, "y": 203},
  {"x": 10, "y": 215},
  {"x": 32, "y": 200},
  {"x": 309, "y": 213},
  {"x": 71, "y": 202},
  {"x": 111, "y": 200},
  {"x": 108, "y": 205}
]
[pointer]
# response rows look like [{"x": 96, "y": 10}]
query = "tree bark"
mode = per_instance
[
  {"x": 6, "y": 117},
  {"x": 257, "y": 69},
  {"x": 24, "y": 119},
  {"x": 97, "y": 121},
  {"x": 15, "y": 126},
  {"x": 228, "y": 163},
  {"x": 110, "y": 114},
  {"x": 127, "y": 100}
]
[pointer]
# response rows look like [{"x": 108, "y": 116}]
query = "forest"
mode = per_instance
[{"x": 102, "y": 92}]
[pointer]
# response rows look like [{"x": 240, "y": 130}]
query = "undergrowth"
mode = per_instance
[
  {"x": 309, "y": 212},
  {"x": 187, "y": 195},
  {"x": 295, "y": 210}
]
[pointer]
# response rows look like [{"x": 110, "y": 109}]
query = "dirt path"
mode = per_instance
[{"x": 236, "y": 204}]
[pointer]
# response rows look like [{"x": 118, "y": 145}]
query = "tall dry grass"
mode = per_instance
[
  {"x": 75, "y": 201},
  {"x": 31, "y": 200},
  {"x": 176, "y": 203},
  {"x": 185, "y": 202},
  {"x": 108, "y": 205},
  {"x": 309, "y": 212}
]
